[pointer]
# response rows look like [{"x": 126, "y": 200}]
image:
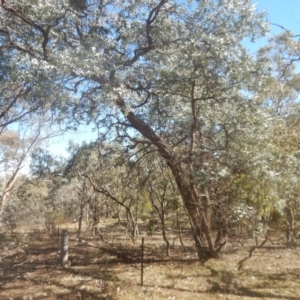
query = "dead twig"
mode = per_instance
[
  {"x": 22, "y": 263},
  {"x": 1, "y": 258},
  {"x": 22, "y": 277}
]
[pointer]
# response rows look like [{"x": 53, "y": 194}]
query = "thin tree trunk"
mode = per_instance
[
  {"x": 179, "y": 228},
  {"x": 118, "y": 213},
  {"x": 80, "y": 218},
  {"x": 161, "y": 214},
  {"x": 164, "y": 232},
  {"x": 290, "y": 225}
]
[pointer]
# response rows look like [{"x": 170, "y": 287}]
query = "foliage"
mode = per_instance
[{"x": 181, "y": 107}]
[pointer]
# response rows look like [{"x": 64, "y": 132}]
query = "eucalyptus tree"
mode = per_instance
[
  {"x": 150, "y": 72},
  {"x": 109, "y": 174},
  {"x": 29, "y": 201},
  {"x": 17, "y": 142},
  {"x": 279, "y": 90},
  {"x": 22, "y": 95},
  {"x": 279, "y": 93},
  {"x": 15, "y": 147},
  {"x": 25, "y": 118},
  {"x": 22, "y": 85},
  {"x": 59, "y": 202},
  {"x": 80, "y": 161}
]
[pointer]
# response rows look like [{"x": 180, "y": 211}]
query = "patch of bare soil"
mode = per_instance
[{"x": 29, "y": 269}]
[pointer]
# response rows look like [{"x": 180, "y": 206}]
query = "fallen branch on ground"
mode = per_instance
[
  {"x": 22, "y": 277},
  {"x": 22, "y": 263},
  {"x": 102, "y": 245}
]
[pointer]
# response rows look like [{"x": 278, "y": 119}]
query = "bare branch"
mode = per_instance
[{"x": 288, "y": 31}]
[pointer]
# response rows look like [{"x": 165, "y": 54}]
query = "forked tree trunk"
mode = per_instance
[{"x": 132, "y": 225}]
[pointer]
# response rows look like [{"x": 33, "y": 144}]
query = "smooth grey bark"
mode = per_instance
[{"x": 64, "y": 249}]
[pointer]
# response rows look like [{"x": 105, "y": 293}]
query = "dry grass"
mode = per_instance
[{"x": 114, "y": 273}]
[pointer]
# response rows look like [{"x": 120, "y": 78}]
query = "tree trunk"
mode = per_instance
[
  {"x": 221, "y": 225},
  {"x": 64, "y": 249},
  {"x": 163, "y": 227},
  {"x": 179, "y": 229},
  {"x": 4, "y": 201},
  {"x": 197, "y": 206},
  {"x": 8, "y": 187},
  {"x": 87, "y": 216},
  {"x": 118, "y": 214},
  {"x": 290, "y": 225},
  {"x": 161, "y": 214},
  {"x": 133, "y": 225},
  {"x": 198, "y": 209},
  {"x": 80, "y": 218}
]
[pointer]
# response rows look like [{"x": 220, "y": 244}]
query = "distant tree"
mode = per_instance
[
  {"x": 17, "y": 143},
  {"x": 29, "y": 201},
  {"x": 274, "y": 186},
  {"x": 111, "y": 176},
  {"x": 163, "y": 195},
  {"x": 14, "y": 151},
  {"x": 279, "y": 89}
]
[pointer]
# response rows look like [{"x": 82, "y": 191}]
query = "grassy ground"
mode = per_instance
[{"x": 113, "y": 272}]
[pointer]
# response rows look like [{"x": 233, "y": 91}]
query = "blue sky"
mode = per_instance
[{"x": 283, "y": 12}]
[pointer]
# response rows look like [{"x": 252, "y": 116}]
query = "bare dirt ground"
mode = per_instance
[{"x": 29, "y": 269}]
